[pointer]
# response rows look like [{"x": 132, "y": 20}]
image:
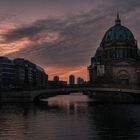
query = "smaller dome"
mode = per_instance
[{"x": 99, "y": 51}]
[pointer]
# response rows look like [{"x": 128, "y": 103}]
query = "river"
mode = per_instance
[{"x": 71, "y": 117}]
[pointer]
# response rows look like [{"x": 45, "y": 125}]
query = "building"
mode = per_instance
[
  {"x": 20, "y": 74},
  {"x": 41, "y": 78},
  {"x": 80, "y": 81},
  {"x": 71, "y": 80},
  {"x": 29, "y": 75},
  {"x": 56, "y": 78},
  {"x": 57, "y": 83},
  {"x": 117, "y": 60},
  {"x": 7, "y": 73}
]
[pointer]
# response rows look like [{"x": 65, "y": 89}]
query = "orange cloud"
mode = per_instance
[
  {"x": 12, "y": 47},
  {"x": 16, "y": 46}
]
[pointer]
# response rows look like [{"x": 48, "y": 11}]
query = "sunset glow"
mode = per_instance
[
  {"x": 65, "y": 72},
  {"x": 61, "y": 36}
]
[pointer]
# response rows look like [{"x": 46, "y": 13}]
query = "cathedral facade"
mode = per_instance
[{"x": 117, "y": 61}]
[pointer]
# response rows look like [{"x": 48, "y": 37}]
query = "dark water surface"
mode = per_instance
[{"x": 73, "y": 117}]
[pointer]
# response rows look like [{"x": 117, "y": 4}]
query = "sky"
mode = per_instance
[{"x": 61, "y": 35}]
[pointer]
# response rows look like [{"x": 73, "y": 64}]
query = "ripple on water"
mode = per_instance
[{"x": 69, "y": 117}]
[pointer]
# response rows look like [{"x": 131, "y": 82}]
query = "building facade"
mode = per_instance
[
  {"x": 117, "y": 61},
  {"x": 71, "y": 80},
  {"x": 57, "y": 83},
  {"x": 80, "y": 81},
  {"x": 29, "y": 75},
  {"x": 21, "y": 74},
  {"x": 56, "y": 78},
  {"x": 7, "y": 73}
]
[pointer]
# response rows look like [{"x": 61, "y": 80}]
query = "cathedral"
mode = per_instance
[{"x": 116, "y": 63}]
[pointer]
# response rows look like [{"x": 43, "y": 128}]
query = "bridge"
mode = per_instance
[{"x": 35, "y": 95}]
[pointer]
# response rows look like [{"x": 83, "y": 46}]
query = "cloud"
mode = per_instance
[
  {"x": 69, "y": 41},
  {"x": 65, "y": 42}
]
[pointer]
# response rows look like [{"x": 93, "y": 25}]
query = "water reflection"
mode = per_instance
[
  {"x": 115, "y": 121},
  {"x": 70, "y": 104},
  {"x": 69, "y": 117}
]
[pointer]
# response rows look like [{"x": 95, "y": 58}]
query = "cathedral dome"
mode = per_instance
[{"x": 118, "y": 34}]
